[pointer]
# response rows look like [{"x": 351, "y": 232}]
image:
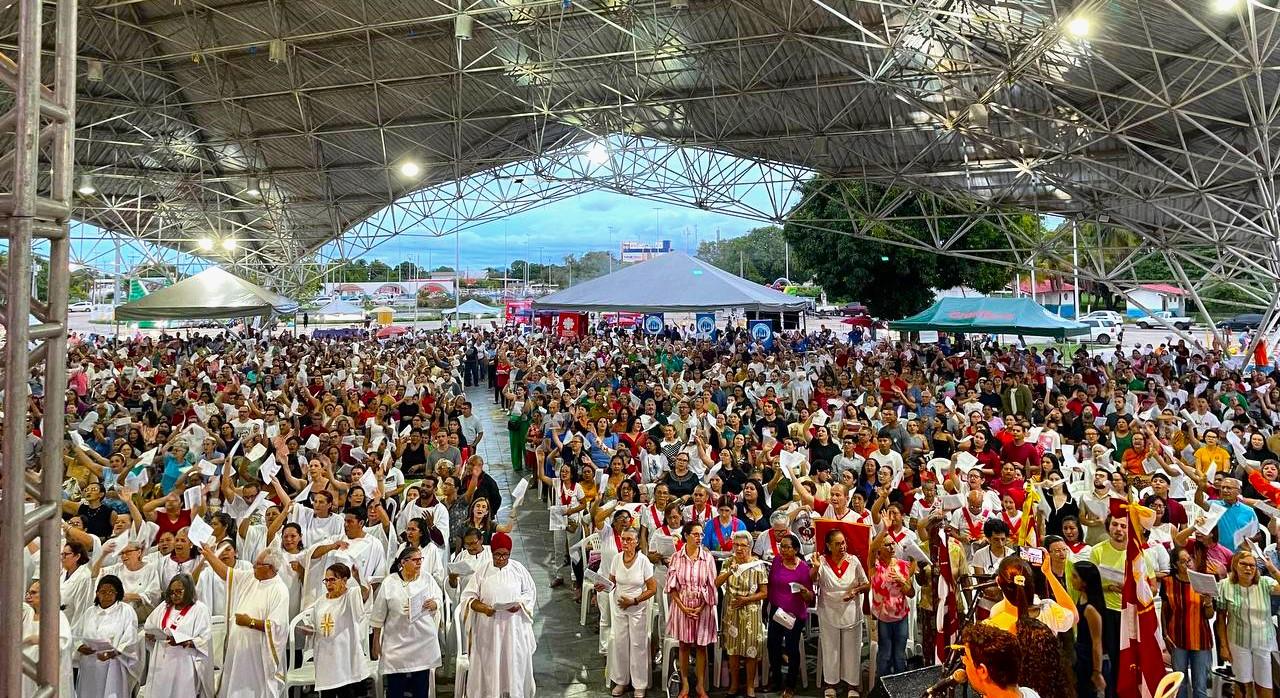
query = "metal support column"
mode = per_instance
[{"x": 33, "y": 207}]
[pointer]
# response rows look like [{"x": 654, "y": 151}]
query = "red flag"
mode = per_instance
[
  {"x": 947, "y": 616},
  {"x": 1141, "y": 664}
]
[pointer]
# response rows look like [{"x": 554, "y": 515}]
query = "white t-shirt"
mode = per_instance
[{"x": 630, "y": 581}]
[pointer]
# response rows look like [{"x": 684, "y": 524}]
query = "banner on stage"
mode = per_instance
[
  {"x": 654, "y": 323},
  {"x": 761, "y": 332},
  {"x": 705, "y": 324}
]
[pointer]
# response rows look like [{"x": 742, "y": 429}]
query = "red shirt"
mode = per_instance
[
  {"x": 1020, "y": 453},
  {"x": 1015, "y": 488},
  {"x": 169, "y": 525}
]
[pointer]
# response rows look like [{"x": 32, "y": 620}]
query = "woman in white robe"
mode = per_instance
[
  {"x": 31, "y": 642},
  {"x": 406, "y": 641},
  {"x": 337, "y": 620},
  {"x": 109, "y": 656},
  {"x": 181, "y": 665},
  {"x": 499, "y": 602},
  {"x": 473, "y": 556},
  {"x": 141, "y": 581},
  {"x": 76, "y": 589}
]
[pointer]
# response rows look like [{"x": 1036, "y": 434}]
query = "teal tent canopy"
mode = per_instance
[{"x": 990, "y": 316}]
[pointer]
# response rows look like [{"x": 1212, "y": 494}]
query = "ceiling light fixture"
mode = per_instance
[
  {"x": 229, "y": 244},
  {"x": 254, "y": 187},
  {"x": 1078, "y": 27},
  {"x": 1225, "y": 6},
  {"x": 409, "y": 168},
  {"x": 462, "y": 25},
  {"x": 85, "y": 186},
  {"x": 205, "y": 244}
]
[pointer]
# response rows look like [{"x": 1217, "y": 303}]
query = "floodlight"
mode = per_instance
[
  {"x": 85, "y": 186},
  {"x": 409, "y": 168},
  {"x": 1078, "y": 26},
  {"x": 205, "y": 244},
  {"x": 229, "y": 244}
]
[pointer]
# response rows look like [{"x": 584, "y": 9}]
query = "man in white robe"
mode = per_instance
[
  {"x": 499, "y": 600},
  {"x": 258, "y": 623},
  {"x": 356, "y": 548}
]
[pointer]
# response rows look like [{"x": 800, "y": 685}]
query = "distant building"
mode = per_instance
[
  {"x": 1154, "y": 297},
  {"x": 633, "y": 252}
]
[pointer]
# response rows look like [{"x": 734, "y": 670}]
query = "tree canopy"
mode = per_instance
[
  {"x": 846, "y": 257},
  {"x": 758, "y": 256}
]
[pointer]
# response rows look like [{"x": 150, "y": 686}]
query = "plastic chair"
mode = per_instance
[
  {"x": 304, "y": 673},
  {"x": 671, "y": 650}
]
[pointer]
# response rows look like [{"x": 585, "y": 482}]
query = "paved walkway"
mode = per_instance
[{"x": 568, "y": 661}]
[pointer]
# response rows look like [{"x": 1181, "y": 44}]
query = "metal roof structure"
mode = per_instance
[{"x": 283, "y": 125}]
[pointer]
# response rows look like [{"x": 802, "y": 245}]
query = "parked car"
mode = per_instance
[
  {"x": 1102, "y": 330},
  {"x": 1244, "y": 321},
  {"x": 80, "y": 307},
  {"x": 1110, "y": 315},
  {"x": 322, "y": 301},
  {"x": 853, "y": 309},
  {"x": 1155, "y": 319}
]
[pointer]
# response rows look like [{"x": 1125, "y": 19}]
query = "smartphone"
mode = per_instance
[{"x": 1033, "y": 555}]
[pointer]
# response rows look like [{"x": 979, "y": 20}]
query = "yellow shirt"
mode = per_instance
[{"x": 1208, "y": 455}]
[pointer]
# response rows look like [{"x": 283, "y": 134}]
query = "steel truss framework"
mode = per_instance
[
  {"x": 282, "y": 124},
  {"x": 35, "y": 205}
]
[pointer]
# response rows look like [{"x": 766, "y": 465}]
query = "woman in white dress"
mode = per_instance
[
  {"x": 140, "y": 580},
  {"x": 841, "y": 581},
  {"x": 634, "y": 587},
  {"x": 406, "y": 641},
  {"x": 31, "y": 642},
  {"x": 338, "y": 620},
  {"x": 474, "y": 555},
  {"x": 109, "y": 656},
  {"x": 499, "y": 601},
  {"x": 76, "y": 590},
  {"x": 181, "y": 665}
]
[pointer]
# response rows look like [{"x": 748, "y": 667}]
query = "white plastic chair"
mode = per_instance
[
  {"x": 671, "y": 654},
  {"x": 304, "y": 673}
]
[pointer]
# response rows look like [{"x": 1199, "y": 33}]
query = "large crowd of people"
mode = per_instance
[{"x": 248, "y": 512}]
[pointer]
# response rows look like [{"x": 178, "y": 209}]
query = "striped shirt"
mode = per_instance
[
  {"x": 1248, "y": 612},
  {"x": 1182, "y": 617}
]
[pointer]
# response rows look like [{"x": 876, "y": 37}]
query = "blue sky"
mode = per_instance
[{"x": 572, "y": 226}]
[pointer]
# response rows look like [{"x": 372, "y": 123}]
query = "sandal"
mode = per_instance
[{"x": 618, "y": 689}]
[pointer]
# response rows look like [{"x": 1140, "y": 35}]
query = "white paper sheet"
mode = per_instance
[
  {"x": 1211, "y": 518},
  {"x": 269, "y": 468},
  {"x": 518, "y": 492},
  {"x": 313, "y": 442},
  {"x": 199, "y": 533},
  {"x": 207, "y": 468},
  {"x": 191, "y": 497},
  {"x": 783, "y": 618},
  {"x": 147, "y": 457},
  {"x": 590, "y": 576},
  {"x": 257, "y": 452},
  {"x": 1203, "y": 583},
  {"x": 461, "y": 568}
]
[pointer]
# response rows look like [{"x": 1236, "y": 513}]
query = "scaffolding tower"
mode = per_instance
[{"x": 35, "y": 208}]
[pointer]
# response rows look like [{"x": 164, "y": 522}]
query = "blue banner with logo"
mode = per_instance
[
  {"x": 761, "y": 332},
  {"x": 705, "y": 325},
  {"x": 653, "y": 323}
]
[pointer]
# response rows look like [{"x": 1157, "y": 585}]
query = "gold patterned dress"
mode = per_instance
[{"x": 743, "y": 627}]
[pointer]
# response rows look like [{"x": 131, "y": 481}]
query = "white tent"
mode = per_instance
[
  {"x": 673, "y": 282},
  {"x": 213, "y": 294},
  {"x": 339, "y": 309},
  {"x": 473, "y": 307}
]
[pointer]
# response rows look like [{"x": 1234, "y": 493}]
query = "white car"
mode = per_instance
[
  {"x": 1110, "y": 315},
  {"x": 1164, "y": 318},
  {"x": 322, "y": 301},
  {"x": 1101, "y": 330},
  {"x": 80, "y": 307}
]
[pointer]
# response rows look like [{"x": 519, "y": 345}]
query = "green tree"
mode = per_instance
[
  {"x": 892, "y": 280},
  {"x": 760, "y": 256},
  {"x": 379, "y": 271}
]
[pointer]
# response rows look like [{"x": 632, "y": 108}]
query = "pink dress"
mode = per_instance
[{"x": 694, "y": 581}]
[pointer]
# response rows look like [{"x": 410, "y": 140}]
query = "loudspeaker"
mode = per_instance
[{"x": 908, "y": 684}]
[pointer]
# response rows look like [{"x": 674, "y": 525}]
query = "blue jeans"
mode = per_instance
[
  {"x": 891, "y": 657},
  {"x": 1194, "y": 663}
]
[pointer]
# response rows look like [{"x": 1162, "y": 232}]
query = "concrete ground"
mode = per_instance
[{"x": 567, "y": 661}]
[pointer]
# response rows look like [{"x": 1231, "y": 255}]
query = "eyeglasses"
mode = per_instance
[{"x": 413, "y": 559}]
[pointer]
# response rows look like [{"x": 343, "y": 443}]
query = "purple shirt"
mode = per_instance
[{"x": 780, "y": 594}]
